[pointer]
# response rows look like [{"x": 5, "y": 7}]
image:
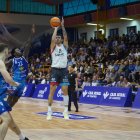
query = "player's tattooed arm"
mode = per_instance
[
  {"x": 53, "y": 38},
  {"x": 64, "y": 33}
]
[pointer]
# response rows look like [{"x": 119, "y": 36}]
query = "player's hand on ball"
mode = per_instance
[{"x": 62, "y": 22}]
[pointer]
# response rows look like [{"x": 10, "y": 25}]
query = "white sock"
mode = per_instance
[
  {"x": 66, "y": 100},
  {"x": 66, "y": 109},
  {"x": 49, "y": 109},
  {"x": 21, "y": 137}
]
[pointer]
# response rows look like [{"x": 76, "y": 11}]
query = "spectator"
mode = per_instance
[
  {"x": 120, "y": 82},
  {"x": 126, "y": 83},
  {"x": 94, "y": 60},
  {"x": 95, "y": 81},
  {"x": 86, "y": 82}
]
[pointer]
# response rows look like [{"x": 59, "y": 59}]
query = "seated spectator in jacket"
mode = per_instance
[
  {"x": 95, "y": 81},
  {"x": 33, "y": 80},
  {"x": 120, "y": 82},
  {"x": 114, "y": 75},
  {"x": 108, "y": 82},
  {"x": 126, "y": 83},
  {"x": 121, "y": 67},
  {"x": 136, "y": 73},
  {"x": 116, "y": 65},
  {"x": 100, "y": 76},
  {"x": 137, "y": 53},
  {"x": 131, "y": 66},
  {"x": 108, "y": 74},
  {"x": 69, "y": 61},
  {"x": 86, "y": 82},
  {"x": 126, "y": 68}
]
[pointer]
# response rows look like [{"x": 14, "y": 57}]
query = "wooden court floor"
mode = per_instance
[{"x": 110, "y": 123}]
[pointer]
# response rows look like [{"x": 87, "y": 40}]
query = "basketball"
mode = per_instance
[{"x": 55, "y": 22}]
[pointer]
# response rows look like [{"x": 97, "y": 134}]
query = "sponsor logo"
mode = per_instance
[
  {"x": 24, "y": 91},
  {"x": 91, "y": 94},
  {"x": 60, "y": 93},
  {"x": 59, "y": 54},
  {"x": 71, "y": 116},
  {"x": 53, "y": 79},
  {"x": 21, "y": 68},
  {"x": 42, "y": 92},
  {"x": 85, "y": 93},
  {"x": 106, "y": 94},
  {"x": 113, "y": 95}
]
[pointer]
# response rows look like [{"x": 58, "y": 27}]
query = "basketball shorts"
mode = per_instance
[
  {"x": 4, "y": 106},
  {"x": 16, "y": 90},
  {"x": 59, "y": 76}
]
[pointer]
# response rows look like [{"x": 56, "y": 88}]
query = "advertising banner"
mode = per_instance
[
  {"x": 28, "y": 90},
  {"x": 110, "y": 96},
  {"x": 116, "y": 96},
  {"x": 42, "y": 91},
  {"x": 136, "y": 103},
  {"x": 58, "y": 95},
  {"x": 91, "y": 95}
]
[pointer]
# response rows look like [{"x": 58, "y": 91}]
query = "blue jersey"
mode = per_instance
[
  {"x": 3, "y": 85},
  {"x": 4, "y": 106},
  {"x": 19, "y": 69}
]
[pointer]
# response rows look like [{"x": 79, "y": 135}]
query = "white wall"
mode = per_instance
[
  {"x": 89, "y": 29},
  {"x": 121, "y": 25}
]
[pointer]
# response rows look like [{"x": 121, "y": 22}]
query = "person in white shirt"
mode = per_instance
[
  {"x": 126, "y": 83},
  {"x": 95, "y": 81},
  {"x": 59, "y": 72},
  {"x": 86, "y": 82},
  {"x": 120, "y": 82}
]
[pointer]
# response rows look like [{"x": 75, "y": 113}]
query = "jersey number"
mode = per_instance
[{"x": 20, "y": 64}]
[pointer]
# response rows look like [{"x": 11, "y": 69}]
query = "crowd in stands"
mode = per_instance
[{"x": 110, "y": 62}]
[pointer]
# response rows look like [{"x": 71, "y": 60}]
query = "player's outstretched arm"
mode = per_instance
[
  {"x": 53, "y": 38},
  {"x": 64, "y": 33}
]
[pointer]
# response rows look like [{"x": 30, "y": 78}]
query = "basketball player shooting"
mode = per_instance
[{"x": 59, "y": 73}]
